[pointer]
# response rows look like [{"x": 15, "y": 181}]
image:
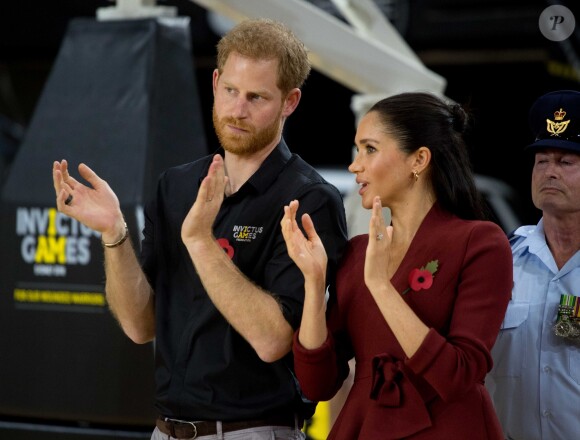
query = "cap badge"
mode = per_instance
[{"x": 558, "y": 126}]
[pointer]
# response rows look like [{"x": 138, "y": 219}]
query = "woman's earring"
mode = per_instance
[{"x": 415, "y": 175}]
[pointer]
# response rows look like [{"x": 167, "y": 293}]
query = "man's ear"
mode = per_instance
[
  {"x": 214, "y": 80},
  {"x": 291, "y": 102}
]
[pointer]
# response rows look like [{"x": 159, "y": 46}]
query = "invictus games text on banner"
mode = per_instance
[{"x": 52, "y": 240}]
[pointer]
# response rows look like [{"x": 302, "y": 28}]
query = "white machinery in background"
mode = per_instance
[
  {"x": 369, "y": 57},
  {"x": 134, "y": 9}
]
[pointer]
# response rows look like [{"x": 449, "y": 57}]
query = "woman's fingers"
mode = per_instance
[
  {"x": 308, "y": 226},
  {"x": 288, "y": 222}
]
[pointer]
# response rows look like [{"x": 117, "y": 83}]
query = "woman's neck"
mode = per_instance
[{"x": 406, "y": 218}]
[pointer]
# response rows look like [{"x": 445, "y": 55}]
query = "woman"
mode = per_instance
[{"x": 419, "y": 302}]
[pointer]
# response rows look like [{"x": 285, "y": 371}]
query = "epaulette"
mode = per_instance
[
  {"x": 512, "y": 237},
  {"x": 515, "y": 239}
]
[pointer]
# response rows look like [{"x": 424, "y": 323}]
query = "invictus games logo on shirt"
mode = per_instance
[{"x": 247, "y": 233}]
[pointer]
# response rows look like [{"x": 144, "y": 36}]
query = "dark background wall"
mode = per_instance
[{"x": 491, "y": 52}]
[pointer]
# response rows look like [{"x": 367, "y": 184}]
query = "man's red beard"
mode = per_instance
[{"x": 247, "y": 143}]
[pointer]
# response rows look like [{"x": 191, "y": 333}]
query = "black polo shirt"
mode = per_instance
[{"x": 204, "y": 369}]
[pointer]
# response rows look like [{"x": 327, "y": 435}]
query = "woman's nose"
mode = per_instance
[{"x": 354, "y": 167}]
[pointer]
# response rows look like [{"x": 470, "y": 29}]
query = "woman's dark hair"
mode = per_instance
[{"x": 421, "y": 119}]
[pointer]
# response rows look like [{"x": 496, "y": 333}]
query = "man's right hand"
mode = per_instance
[{"x": 96, "y": 206}]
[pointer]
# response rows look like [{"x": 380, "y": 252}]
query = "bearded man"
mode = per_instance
[{"x": 213, "y": 284}]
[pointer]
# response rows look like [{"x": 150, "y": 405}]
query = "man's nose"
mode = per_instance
[{"x": 240, "y": 108}]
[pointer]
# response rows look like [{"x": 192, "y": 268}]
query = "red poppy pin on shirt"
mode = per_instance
[
  {"x": 422, "y": 278},
  {"x": 226, "y": 246}
]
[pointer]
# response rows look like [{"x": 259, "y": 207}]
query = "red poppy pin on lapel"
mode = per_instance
[{"x": 422, "y": 278}]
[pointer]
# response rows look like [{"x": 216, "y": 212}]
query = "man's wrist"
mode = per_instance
[{"x": 121, "y": 240}]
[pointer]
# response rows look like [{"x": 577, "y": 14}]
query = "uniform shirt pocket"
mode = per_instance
[
  {"x": 575, "y": 364},
  {"x": 509, "y": 351}
]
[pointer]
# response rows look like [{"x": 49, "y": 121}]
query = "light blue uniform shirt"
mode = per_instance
[{"x": 535, "y": 381}]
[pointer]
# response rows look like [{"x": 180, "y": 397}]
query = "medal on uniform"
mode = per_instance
[{"x": 568, "y": 321}]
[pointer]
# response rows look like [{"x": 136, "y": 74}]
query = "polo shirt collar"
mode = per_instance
[
  {"x": 271, "y": 168},
  {"x": 268, "y": 171}
]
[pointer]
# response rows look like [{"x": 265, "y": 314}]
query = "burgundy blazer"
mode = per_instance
[{"x": 439, "y": 392}]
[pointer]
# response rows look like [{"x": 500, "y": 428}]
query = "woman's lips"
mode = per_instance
[{"x": 362, "y": 189}]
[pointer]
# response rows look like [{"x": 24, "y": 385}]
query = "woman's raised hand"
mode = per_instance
[{"x": 307, "y": 251}]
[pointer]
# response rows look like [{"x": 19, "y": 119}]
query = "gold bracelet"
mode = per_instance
[{"x": 121, "y": 240}]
